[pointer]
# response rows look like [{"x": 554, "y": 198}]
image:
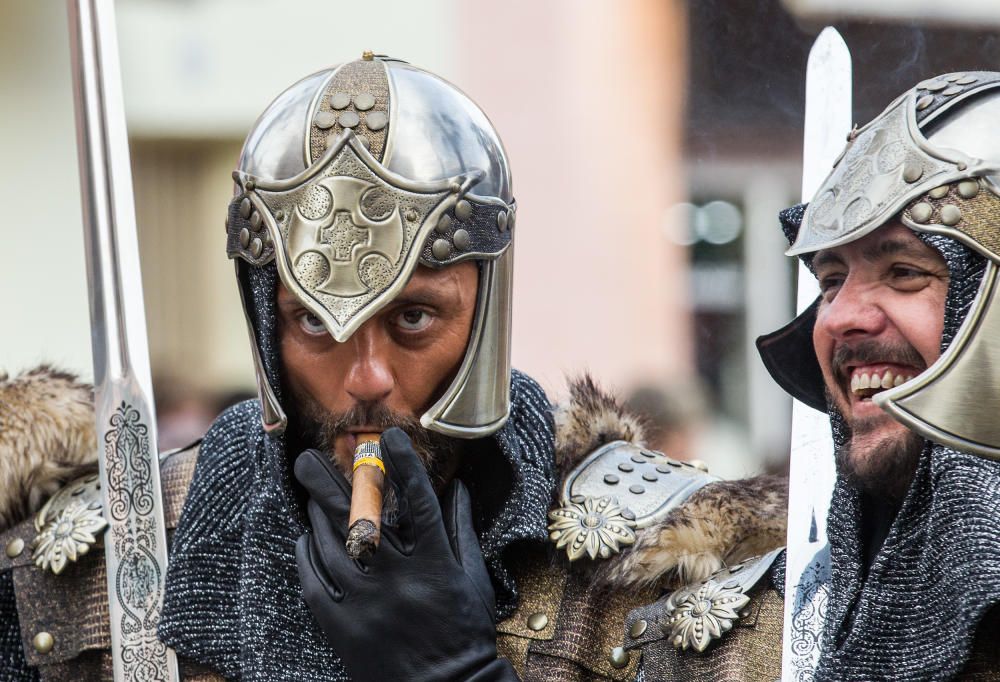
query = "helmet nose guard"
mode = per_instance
[
  {"x": 932, "y": 158},
  {"x": 351, "y": 179}
]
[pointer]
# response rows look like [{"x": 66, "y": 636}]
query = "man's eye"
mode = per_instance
[
  {"x": 414, "y": 320},
  {"x": 311, "y": 324},
  {"x": 829, "y": 284},
  {"x": 907, "y": 278}
]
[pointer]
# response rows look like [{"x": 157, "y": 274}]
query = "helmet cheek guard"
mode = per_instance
[{"x": 351, "y": 179}]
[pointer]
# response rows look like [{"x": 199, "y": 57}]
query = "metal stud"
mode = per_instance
[
  {"x": 939, "y": 192},
  {"x": 745, "y": 613},
  {"x": 244, "y": 237},
  {"x": 502, "y": 221},
  {"x": 256, "y": 247},
  {"x": 14, "y": 548},
  {"x": 410, "y": 215},
  {"x": 663, "y": 469},
  {"x": 43, "y": 642},
  {"x": 250, "y": 185},
  {"x": 537, "y": 621},
  {"x": 649, "y": 454},
  {"x": 364, "y": 101},
  {"x": 255, "y": 221},
  {"x": 462, "y": 239},
  {"x": 611, "y": 479},
  {"x": 698, "y": 464},
  {"x": 674, "y": 463},
  {"x": 324, "y": 120},
  {"x": 967, "y": 189},
  {"x": 245, "y": 208},
  {"x": 651, "y": 477},
  {"x": 924, "y": 102},
  {"x": 626, "y": 467},
  {"x": 638, "y": 629},
  {"x": 732, "y": 585},
  {"x": 952, "y": 77},
  {"x": 441, "y": 248},
  {"x": 578, "y": 499},
  {"x": 628, "y": 514},
  {"x": 618, "y": 658},
  {"x": 368, "y": 55},
  {"x": 279, "y": 216},
  {"x": 968, "y": 80},
  {"x": 638, "y": 459},
  {"x": 444, "y": 224},
  {"x": 933, "y": 85},
  {"x": 912, "y": 171},
  {"x": 340, "y": 100},
  {"x": 349, "y": 119},
  {"x": 463, "y": 210},
  {"x": 636, "y": 489},
  {"x": 952, "y": 91},
  {"x": 921, "y": 213},
  {"x": 376, "y": 120},
  {"x": 951, "y": 215}
]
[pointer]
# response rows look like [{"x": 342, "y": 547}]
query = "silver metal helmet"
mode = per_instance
[
  {"x": 932, "y": 159},
  {"x": 352, "y": 178}
]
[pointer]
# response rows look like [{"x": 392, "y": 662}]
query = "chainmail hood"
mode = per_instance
[
  {"x": 233, "y": 597},
  {"x": 938, "y": 571}
]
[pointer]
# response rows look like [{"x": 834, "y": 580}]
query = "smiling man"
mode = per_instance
[{"x": 900, "y": 349}]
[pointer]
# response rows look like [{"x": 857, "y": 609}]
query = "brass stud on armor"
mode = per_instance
[
  {"x": 462, "y": 239},
  {"x": 578, "y": 499},
  {"x": 537, "y": 621},
  {"x": 638, "y": 459},
  {"x": 349, "y": 119},
  {"x": 951, "y": 91},
  {"x": 256, "y": 247},
  {"x": 444, "y": 224},
  {"x": 245, "y": 208},
  {"x": 618, "y": 658},
  {"x": 638, "y": 629},
  {"x": 376, "y": 120},
  {"x": 912, "y": 172},
  {"x": 340, "y": 100},
  {"x": 968, "y": 189},
  {"x": 650, "y": 477},
  {"x": 244, "y": 237},
  {"x": 255, "y": 221},
  {"x": 939, "y": 192},
  {"x": 502, "y": 221},
  {"x": 279, "y": 216},
  {"x": 699, "y": 465},
  {"x": 951, "y": 78},
  {"x": 14, "y": 548},
  {"x": 611, "y": 479},
  {"x": 921, "y": 213},
  {"x": 441, "y": 248},
  {"x": 663, "y": 469},
  {"x": 636, "y": 489},
  {"x": 951, "y": 215},
  {"x": 368, "y": 55},
  {"x": 43, "y": 642},
  {"x": 364, "y": 101},
  {"x": 251, "y": 185},
  {"x": 410, "y": 215},
  {"x": 968, "y": 80},
  {"x": 924, "y": 102},
  {"x": 626, "y": 467},
  {"x": 628, "y": 514},
  {"x": 324, "y": 120},
  {"x": 463, "y": 210},
  {"x": 933, "y": 85}
]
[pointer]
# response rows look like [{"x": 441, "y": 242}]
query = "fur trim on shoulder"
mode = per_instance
[
  {"x": 590, "y": 419},
  {"x": 46, "y": 438},
  {"x": 724, "y": 523}
]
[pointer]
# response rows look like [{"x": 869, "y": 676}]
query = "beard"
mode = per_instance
[
  {"x": 881, "y": 467},
  {"x": 317, "y": 427}
]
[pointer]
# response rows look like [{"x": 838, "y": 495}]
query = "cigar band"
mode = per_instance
[{"x": 368, "y": 453}]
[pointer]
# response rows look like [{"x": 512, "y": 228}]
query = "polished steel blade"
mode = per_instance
[
  {"x": 811, "y": 471},
  {"x": 135, "y": 542}
]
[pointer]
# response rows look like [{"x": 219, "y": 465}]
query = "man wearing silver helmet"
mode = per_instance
[
  {"x": 900, "y": 349},
  {"x": 372, "y": 231}
]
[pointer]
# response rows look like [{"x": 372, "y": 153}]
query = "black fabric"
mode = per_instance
[
  {"x": 233, "y": 598},
  {"x": 426, "y": 576},
  {"x": 13, "y": 666}
]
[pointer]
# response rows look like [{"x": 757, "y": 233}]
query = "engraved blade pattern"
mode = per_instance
[
  {"x": 811, "y": 471},
  {"x": 135, "y": 542}
]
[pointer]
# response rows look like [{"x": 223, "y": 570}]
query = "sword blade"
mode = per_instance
[
  {"x": 135, "y": 542},
  {"x": 811, "y": 470}
]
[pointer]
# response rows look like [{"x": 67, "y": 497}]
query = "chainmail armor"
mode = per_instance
[
  {"x": 13, "y": 666},
  {"x": 233, "y": 597}
]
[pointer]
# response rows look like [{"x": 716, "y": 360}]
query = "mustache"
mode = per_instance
[{"x": 872, "y": 351}]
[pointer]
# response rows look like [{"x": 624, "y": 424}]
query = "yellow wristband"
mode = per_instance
[{"x": 371, "y": 461}]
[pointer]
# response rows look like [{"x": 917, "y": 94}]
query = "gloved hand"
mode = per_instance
[{"x": 422, "y": 607}]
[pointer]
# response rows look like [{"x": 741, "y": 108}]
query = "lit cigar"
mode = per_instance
[{"x": 365, "y": 523}]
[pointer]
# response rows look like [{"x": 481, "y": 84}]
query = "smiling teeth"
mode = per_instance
[{"x": 873, "y": 382}]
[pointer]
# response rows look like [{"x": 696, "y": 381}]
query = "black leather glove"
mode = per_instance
[{"x": 422, "y": 607}]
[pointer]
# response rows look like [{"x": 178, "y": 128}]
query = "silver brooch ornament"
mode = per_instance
[
  {"x": 68, "y": 525},
  {"x": 698, "y": 616},
  {"x": 592, "y": 526}
]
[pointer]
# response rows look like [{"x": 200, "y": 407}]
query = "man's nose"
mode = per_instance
[
  {"x": 855, "y": 312},
  {"x": 369, "y": 377}
]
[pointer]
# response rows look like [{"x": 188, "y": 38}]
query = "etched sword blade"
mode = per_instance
[
  {"x": 135, "y": 542},
  {"x": 811, "y": 471}
]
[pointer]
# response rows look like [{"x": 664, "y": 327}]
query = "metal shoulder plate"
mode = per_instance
[
  {"x": 695, "y": 615},
  {"x": 617, "y": 489}
]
